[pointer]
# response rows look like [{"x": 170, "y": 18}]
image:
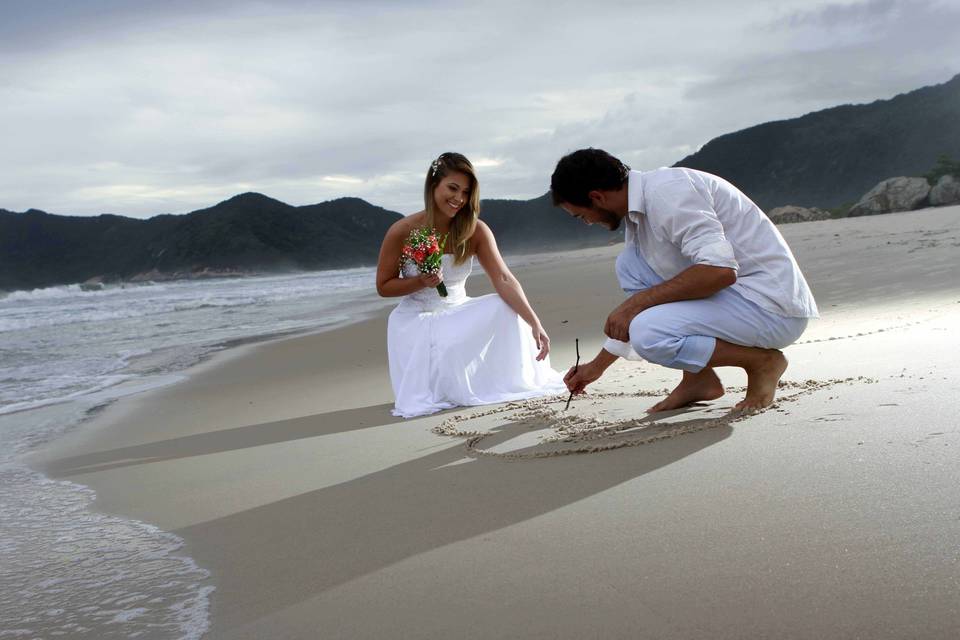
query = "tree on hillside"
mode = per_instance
[{"x": 946, "y": 166}]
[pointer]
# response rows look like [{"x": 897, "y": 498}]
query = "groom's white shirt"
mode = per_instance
[{"x": 681, "y": 217}]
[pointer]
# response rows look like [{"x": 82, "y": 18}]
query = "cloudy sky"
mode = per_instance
[{"x": 143, "y": 108}]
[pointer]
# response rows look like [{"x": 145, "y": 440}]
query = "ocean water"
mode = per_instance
[{"x": 65, "y": 569}]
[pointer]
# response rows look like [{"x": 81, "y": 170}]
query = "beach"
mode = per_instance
[{"x": 318, "y": 514}]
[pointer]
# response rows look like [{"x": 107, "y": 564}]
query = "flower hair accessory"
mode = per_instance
[{"x": 435, "y": 165}]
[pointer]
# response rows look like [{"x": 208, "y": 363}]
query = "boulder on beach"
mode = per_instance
[
  {"x": 791, "y": 213},
  {"x": 153, "y": 275},
  {"x": 945, "y": 192},
  {"x": 893, "y": 194},
  {"x": 92, "y": 284}
]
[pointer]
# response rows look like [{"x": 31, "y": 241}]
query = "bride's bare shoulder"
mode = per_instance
[
  {"x": 482, "y": 234},
  {"x": 405, "y": 225},
  {"x": 416, "y": 219}
]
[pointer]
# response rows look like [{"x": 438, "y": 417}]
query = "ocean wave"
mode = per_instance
[
  {"x": 58, "y": 395},
  {"x": 70, "y": 571},
  {"x": 67, "y": 291},
  {"x": 59, "y": 306},
  {"x": 116, "y": 312},
  {"x": 62, "y": 291},
  {"x": 335, "y": 279}
]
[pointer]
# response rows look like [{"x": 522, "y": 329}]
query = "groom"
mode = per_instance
[{"x": 712, "y": 282}]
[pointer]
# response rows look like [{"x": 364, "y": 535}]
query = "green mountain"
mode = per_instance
[
  {"x": 831, "y": 157},
  {"x": 247, "y": 233},
  {"x": 536, "y": 225}
]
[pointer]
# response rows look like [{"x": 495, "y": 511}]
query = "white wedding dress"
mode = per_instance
[{"x": 461, "y": 351}]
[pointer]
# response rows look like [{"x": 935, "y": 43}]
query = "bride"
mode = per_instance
[{"x": 458, "y": 351}]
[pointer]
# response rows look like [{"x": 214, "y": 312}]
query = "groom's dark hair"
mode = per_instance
[{"x": 583, "y": 171}]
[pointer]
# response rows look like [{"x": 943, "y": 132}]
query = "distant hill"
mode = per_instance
[
  {"x": 536, "y": 225},
  {"x": 831, "y": 157},
  {"x": 247, "y": 233}
]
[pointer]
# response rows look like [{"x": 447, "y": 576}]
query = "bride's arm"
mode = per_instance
[
  {"x": 389, "y": 282},
  {"x": 507, "y": 285}
]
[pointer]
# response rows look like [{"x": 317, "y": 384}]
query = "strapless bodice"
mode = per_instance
[{"x": 454, "y": 278}]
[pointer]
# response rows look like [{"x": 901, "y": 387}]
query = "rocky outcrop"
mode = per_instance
[
  {"x": 893, "y": 194},
  {"x": 791, "y": 213},
  {"x": 93, "y": 284},
  {"x": 945, "y": 192}
]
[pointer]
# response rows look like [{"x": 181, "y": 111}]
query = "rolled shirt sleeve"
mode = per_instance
[
  {"x": 689, "y": 222},
  {"x": 620, "y": 349}
]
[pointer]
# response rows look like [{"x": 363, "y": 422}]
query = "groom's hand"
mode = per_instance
[
  {"x": 578, "y": 378},
  {"x": 618, "y": 322}
]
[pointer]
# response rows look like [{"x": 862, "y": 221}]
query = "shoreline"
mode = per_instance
[
  {"x": 221, "y": 354},
  {"x": 264, "y": 443},
  {"x": 101, "y": 282}
]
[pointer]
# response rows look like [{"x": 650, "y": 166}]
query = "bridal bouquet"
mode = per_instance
[{"x": 425, "y": 250}]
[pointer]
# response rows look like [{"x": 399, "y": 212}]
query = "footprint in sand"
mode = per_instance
[{"x": 831, "y": 417}]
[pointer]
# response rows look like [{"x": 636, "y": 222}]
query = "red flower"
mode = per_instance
[{"x": 419, "y": 255}]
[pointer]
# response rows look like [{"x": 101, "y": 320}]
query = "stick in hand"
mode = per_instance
[{"x": 577, "y": 345}]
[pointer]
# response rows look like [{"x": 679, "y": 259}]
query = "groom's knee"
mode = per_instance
[{"x": 652, "y": 340}]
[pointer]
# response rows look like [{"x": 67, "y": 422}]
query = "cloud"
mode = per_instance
[
  {"x": 834, "y": 15},
  {"x": 144, "y": 108},
  {"x": 843, "y": 53},
  {"x": 342, "y": 180}
]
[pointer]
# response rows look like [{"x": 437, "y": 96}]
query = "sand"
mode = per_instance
[{"x": 319, "y": 515}]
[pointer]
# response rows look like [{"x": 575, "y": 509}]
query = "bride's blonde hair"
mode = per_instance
[{"x": 465, "y": 222}]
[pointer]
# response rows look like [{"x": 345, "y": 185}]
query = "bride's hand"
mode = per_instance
[
  {"x": 543, "y": 342},
  {"x": 430, "y": 280}
]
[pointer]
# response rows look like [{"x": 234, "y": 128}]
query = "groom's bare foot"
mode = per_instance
[
  {"x": 762, "y": 381},
  {"x": 695, "y": 387}
]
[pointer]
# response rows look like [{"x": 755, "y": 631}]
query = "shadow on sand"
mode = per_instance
[
  {"x": 307, "y": 544},
  {"x": 224, "y": 440}
]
